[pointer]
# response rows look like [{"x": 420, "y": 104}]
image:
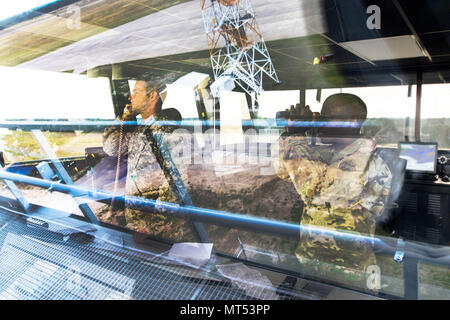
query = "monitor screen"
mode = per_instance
[{"x": 421, "y": 157}]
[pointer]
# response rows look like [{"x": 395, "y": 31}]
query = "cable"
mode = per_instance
[{"x": 116, "y": 180}]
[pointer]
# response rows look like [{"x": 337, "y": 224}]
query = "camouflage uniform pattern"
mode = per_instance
[
  {"x": 145, "y": 177},
  {"x": 344, "y": 191}
]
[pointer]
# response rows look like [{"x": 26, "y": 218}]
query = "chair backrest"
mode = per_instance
[{"x": 397, "y": 166}]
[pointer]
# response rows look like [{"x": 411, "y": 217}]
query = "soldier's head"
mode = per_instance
[
  {"x": 339, "y": 108},
  {"x": 145, "y": 99}
]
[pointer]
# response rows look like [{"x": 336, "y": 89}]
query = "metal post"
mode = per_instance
[
  {"x": 302, "y": 98},
  {"x": 62, "y": 173},
  {"x": 319, "y": 95},
  {"x": 162, "y": 155},
  {"x": 242, "y": 248},
  {"x": 23, "y": 203},
  {"x": 411, "y": 278},
  {"x": 418, "y": 106}
]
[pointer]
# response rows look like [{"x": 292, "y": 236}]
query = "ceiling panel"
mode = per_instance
[{"x": 400, "y": 47}]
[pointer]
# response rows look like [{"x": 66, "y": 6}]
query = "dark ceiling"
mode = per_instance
[{"x": 346, "y": 21}]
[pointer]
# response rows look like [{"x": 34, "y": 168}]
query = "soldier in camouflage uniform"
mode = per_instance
[
  {"x": 150, "y": 163},
  {"x": 344, "y": 187}
]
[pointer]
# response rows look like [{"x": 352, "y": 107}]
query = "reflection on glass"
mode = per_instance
[
  {"x": 435, "y": 123},
  {"x": 316, "y": 155},
  {"x": 343, "y": 185}
]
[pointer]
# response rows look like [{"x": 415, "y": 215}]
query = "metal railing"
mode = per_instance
[
  {"x": 100, "y": 125},
  {"x": 384, "y": 245}
]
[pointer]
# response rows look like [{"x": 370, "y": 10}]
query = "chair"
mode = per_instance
[{"x": 397, "y": 166}]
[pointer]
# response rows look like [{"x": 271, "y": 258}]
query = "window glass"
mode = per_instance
[
  {"x": 174, "y": 122},
  {"x": 35, "y": 94},
  {"x": 272, "y": 101},
  {"x": 435, "y": 114},
  {"x": 390, "y": 112},
  {"x": 45, "y": 96}
]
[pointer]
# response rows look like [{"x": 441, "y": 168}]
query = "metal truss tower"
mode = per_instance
[{"x": 236, "y": 46}]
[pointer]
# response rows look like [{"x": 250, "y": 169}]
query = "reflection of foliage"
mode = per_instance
[
  {"x": 384, "y": 131},
  {"x": 436, "y": 130},
  {"x": 391, "y": 131},
  {"x": 21, "y": 145}
]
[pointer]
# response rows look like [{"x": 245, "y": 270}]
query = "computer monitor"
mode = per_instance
[{"x": 421, "y": 157}]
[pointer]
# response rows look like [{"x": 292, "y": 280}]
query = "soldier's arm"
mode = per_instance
[
  {"x": 112, "y": 140},
  {"x": 292, "y": 150}
]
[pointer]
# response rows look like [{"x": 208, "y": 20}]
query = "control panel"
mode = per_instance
[{"x": 442, "y": 175}]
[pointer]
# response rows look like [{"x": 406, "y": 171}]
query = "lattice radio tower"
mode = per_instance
[{"x": 238, "y": 51}]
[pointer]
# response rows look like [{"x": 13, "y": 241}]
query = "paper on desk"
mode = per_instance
[
  {"x": 197, "y": 254},
  {"x": 251, "y": 281}
]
